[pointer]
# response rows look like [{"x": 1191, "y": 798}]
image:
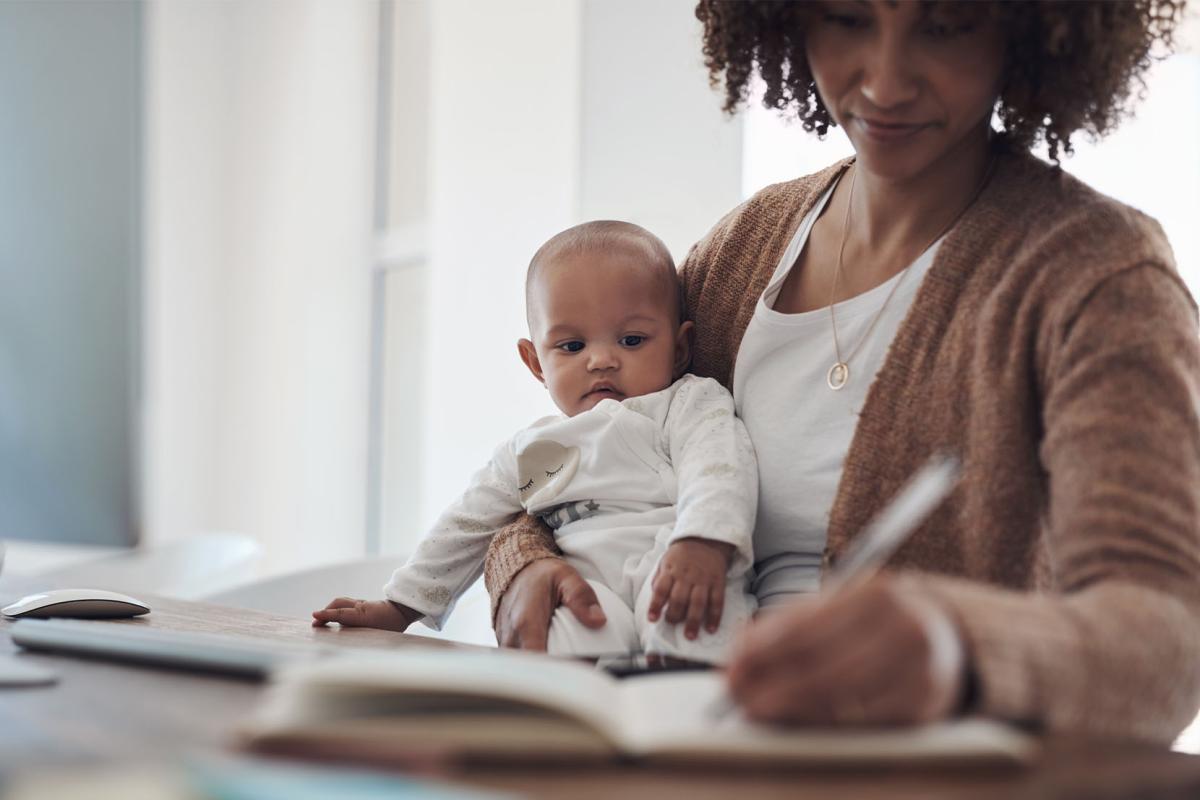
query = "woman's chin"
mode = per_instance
[
  {"x": 894, "y": 164},
  {"x": 931, "y": 149}
]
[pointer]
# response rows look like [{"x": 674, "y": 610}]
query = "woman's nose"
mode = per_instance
[{"x": 889, "y": 80}]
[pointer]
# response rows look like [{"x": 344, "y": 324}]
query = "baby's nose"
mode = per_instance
[{"x": 603, "y": 358}]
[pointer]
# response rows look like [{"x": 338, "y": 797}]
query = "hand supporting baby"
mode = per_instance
[
  {"x": 690, "y": 584},
  {"x": 351, "y": 613}
]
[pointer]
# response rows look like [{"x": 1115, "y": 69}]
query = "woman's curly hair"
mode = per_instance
[{"x": 1069, "y": 66}]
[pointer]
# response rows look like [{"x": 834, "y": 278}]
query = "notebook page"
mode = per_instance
[
  {"x": 672, "y": 714},
  {"x": 573, "y": 689}
]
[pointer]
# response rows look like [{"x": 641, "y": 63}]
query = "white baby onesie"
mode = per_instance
[{"x": 618, "y": 484}]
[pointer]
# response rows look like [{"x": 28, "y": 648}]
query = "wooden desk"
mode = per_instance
[{"x": 104, "y": 712}]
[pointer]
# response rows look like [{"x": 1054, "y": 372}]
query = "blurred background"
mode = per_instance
[{"x": 261, "y": 262}]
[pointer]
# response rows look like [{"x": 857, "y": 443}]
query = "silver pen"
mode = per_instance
[
  {"x": 887, "y": 530},
  {"x": 898, "y": 520}
]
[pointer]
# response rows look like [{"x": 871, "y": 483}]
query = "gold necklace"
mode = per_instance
[{"x": 839, "y": 374}]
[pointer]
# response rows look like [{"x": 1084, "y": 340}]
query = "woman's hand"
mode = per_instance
[
  {"x": 878, "y": 653},
  {"x": 523, "y": 618}
]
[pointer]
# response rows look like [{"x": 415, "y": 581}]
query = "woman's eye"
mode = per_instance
[
  {"x": 571, "y": 347},
  {"x": 847, "y": 21},
  {"x": 941, "y": 30},
  {"x": 551, "y": 474},
  {"x": 525, "y": 488},
  {"x": 632, "y": 340}
]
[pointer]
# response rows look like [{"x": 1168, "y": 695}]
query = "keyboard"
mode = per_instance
[{"x": 207, "y": 652}]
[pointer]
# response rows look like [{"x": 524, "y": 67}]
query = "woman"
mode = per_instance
[{"x": 944, "y": 290}]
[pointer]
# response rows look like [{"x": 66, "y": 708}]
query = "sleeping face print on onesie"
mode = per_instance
[{"x": 546, "y": 468}]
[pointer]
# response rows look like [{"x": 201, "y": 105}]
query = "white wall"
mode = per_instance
[
  {"x": 504, "y": 173},
  {"x": 187, "y": 80},
  {"x": 403, "y": 360},
  {"x": 259, "y": 176},
  {"x": 656, "y": 148},
  {"x": 540, "y": 113},
  {"x": 546, "y": 113}
]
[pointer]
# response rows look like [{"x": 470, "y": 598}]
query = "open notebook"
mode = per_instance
[{"x": 512, "y": 706}]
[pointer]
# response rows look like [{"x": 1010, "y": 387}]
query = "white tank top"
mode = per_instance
[{"x": 801, "y": 429}]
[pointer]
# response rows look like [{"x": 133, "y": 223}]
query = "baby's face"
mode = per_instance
[{"x": 603, "y": 328}]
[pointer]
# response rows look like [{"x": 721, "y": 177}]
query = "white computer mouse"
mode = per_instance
[{"x": 82, "y": 603}]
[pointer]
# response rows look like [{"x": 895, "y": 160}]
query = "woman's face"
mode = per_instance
[{"x": 908, "y": 82}]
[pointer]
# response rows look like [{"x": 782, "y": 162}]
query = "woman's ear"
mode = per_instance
[
  {"x": 529, "y": 355},
  {"x": 683, "y": 347}
]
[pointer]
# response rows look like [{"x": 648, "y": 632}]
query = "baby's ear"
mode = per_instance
[
  {"x": 529, "y": 355},
  {"x": 683, "y": 347}
]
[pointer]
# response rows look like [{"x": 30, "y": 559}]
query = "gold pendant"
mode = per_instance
[{"x": 838, "y": 375}]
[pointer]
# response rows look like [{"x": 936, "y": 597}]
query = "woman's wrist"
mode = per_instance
[
  {"x": 968, "y": 700},
  {"x": 527, "y": 571},
  {"x": 949, "y": 662},
  {"x": 512, "y": 550}
]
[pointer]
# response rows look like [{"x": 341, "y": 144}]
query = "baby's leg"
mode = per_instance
[
  {"x": 569, "y": 637},
  {"x": 667, "y": 638}
]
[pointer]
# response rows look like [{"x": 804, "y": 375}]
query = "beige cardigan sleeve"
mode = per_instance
[
  {"x": 514, "y": 548},
  {"x": 1115, "y": 649}
]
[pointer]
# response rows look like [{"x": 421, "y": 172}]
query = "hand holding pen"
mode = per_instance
[{"x": 868, "y": 650}]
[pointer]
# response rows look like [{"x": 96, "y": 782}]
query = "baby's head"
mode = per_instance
[{"x": 605, "y": 315}]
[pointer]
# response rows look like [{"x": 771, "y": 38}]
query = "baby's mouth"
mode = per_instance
[{"x": 604, "y": 389}]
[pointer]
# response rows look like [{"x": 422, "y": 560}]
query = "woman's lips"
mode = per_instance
[{"x": 882, "y": 131}]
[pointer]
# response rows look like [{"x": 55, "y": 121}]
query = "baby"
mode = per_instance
[{"x": 648, "y": 479}]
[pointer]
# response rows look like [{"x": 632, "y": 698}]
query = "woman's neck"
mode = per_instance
[{"x": 892, "y": 216}]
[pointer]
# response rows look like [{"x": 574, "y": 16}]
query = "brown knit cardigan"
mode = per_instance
[{"x": 1052, "y": 345}]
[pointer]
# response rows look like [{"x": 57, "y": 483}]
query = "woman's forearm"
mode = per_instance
[
  {"x": 1110, "y": 646},
  {"x": 1114, "y": 660},
  {"x": 515, "y": 547}
]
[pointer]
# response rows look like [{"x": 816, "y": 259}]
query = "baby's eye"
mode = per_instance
[
  {"x": 571, "y": 347},
  {"x": 632, "y": 340}
]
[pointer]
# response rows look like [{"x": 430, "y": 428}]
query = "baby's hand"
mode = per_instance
[
  {"x": 690, "y": 582},
  {"x": 351, "y": 613}
]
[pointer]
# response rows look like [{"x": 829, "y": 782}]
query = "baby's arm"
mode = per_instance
[
  {"x": 717, "y": 477},
  {"x": 447, "y": 561},
  {"x": 351, "y": 613}
]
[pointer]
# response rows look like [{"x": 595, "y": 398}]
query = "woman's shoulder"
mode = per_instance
[
  {"x": 1055, "y": 212},
  {"x": 768, "y": 211},
  {"x": 785, "y": 195},
  {"x": 728, "y": 268},
  {"x": 1044, "y": 247},
  {"x": 1042, "y": 228},
  {"x": 744, "y": 246}
]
